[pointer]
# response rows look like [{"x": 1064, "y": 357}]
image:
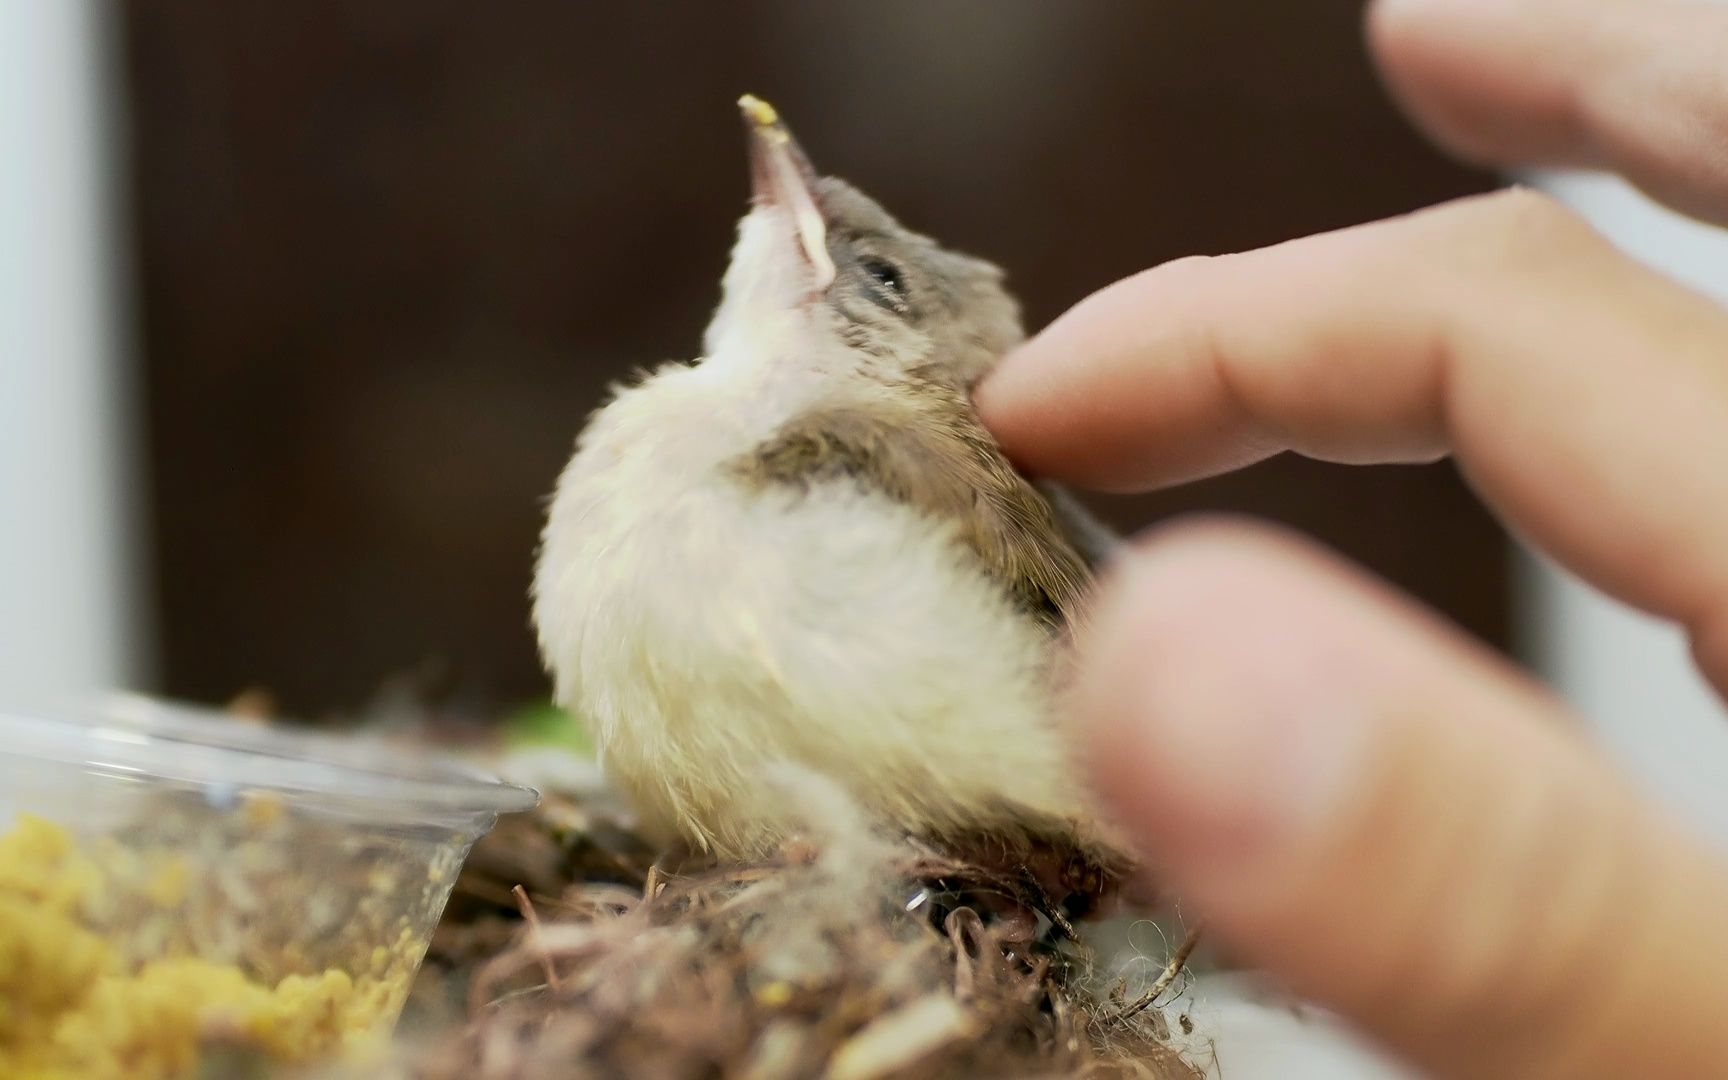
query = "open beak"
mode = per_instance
[{"x": 781, "y": 176}]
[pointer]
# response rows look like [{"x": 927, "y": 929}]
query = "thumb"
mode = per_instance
[{"x": 1391, "y": 821}]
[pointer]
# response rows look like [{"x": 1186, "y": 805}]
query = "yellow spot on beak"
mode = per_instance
[{"x": 760, "y": 112}]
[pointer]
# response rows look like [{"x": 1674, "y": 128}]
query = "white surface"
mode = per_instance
[
  {"x": 1629, "y": 674},
  {"x": 1256, "y": 1040},
  {"x": 67, "y": 596}
]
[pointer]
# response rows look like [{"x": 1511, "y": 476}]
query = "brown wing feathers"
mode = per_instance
[{"x": 924, "y": 446}]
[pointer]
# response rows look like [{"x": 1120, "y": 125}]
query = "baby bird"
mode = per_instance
[{"x": 804, "y": 548}]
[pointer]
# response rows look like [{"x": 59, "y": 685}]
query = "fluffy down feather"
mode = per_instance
[{"x": 705, "y": 633}]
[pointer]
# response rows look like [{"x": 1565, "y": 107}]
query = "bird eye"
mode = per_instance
[
  {"x": 890, "y": 284},
  {"x": 885, "y": 274}
]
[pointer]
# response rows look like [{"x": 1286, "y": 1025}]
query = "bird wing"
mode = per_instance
[
  {"x": 1092, "y": 538},
  {"x": 928, "y": 450}
]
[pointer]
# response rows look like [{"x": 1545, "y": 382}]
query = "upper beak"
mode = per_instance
[{"x": 781, "y": 176}]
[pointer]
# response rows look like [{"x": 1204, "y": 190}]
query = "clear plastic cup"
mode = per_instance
[{"x": 173, "y": 879}]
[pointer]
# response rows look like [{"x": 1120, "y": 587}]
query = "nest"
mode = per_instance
[{"x": 572, "y": 950}]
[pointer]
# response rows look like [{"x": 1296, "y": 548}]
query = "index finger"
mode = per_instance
[{"x": 1585, "y": 396}]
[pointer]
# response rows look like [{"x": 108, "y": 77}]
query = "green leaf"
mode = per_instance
[{"x": 546, "y": 724}]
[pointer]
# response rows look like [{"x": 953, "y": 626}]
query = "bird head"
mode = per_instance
[{"x": 820, "y": 267}]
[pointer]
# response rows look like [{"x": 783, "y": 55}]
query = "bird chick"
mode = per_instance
[{"x": 804, "y": 548}]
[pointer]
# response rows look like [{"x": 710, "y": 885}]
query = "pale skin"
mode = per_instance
[{"x": 1361, "y": 800}]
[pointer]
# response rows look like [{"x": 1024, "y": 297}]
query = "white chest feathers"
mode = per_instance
[{"x": 706, "y": 631}]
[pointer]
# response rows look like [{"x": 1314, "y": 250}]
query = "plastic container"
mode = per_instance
[{"x": 165, "y": 868}]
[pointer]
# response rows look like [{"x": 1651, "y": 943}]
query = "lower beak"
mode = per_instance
[{"x": 781, "y": 176}]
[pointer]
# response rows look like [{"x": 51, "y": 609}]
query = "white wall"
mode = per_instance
[
  {"x": 1628, "y": 673},
  {"x": 69, "y": 612}
]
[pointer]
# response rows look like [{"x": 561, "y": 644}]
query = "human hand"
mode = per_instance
[{"x": 1358, "y": 799}]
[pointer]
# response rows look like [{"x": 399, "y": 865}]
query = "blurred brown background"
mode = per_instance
[{"x": 392, "y": 252}]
